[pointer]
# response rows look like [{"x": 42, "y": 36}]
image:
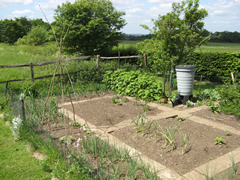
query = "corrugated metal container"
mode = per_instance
[{"x": 185, "y": 79}]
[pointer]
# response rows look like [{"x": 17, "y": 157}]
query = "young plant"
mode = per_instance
[
  {"x": 227, "y": 132},
  {"x": 214, "y": 109},
  {"x": 143, "y": 120},
  {"x": 114, "y": 100},
  {"x": 189, "y": 103},
  {"x": 169, "y": 134},
  {"x": 149, "y": 127},
  {"x": 219, "y": 140},
  {"x": 136, "y": 122},
  {"x": 119, "y": 103},
  {"x": 184, "y": 142},
  {"x": 180, "y": 118}
]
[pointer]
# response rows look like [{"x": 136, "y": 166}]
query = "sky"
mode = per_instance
[{"x": 223, "y": 15}]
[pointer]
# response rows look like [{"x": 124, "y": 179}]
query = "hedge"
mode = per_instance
[{"x": 214, "y": 66}]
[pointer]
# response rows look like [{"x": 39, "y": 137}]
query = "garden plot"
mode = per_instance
[
  {"x": 193, "y": 145},
  {"x": 103, "y": 112},
  {"x": 203, "y": 143}
]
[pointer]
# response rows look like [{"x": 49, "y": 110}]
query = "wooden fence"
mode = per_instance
[{"x": 99, "y": 58}]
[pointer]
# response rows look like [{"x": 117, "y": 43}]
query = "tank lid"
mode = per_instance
[{"x": 185, "y": 67}]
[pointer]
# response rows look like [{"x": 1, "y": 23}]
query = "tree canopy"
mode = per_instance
[
  {"x": 178, "y": 32},
  {"x": 94, "y": 25}
]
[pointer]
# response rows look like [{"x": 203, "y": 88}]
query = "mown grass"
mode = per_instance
[
  {"x": 16, "y": 162},
  {"x": 210, "y": 47}
]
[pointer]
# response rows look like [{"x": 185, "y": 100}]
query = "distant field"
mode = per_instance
[
  {"x": 210, "y": 47},
  {"x": 220, "y": 47}
]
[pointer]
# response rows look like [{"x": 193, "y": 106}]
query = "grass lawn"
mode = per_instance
[
  {"x": 15, "y": 161},
  {"x": 210, "y": 47}
]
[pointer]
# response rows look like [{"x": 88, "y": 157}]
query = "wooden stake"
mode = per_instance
[
  {"x": 32, "y": 72},
  {"x": 98, "y": 61},
  {"x": 145, "y": 60}
]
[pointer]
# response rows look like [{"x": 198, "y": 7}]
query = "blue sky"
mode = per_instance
[{"x": 223, "y": 15}]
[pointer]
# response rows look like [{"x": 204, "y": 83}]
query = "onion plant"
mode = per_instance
[
  {"x": 169, "y": 133},
  {"x": 184, "y": 141}
]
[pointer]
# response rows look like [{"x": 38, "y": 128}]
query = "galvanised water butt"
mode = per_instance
[{"x": 185, "y": 81}]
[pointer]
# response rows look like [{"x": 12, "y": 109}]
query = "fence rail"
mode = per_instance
[{"x": 99, "y": 58}]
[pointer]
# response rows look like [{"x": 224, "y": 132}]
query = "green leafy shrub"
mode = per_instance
[
  {"x": 230, "y": 99},
  {"x": 214, "y": 66},
  {"x": 211, "y": 94},
  {"x": 36, "y": 36},
  {"x": 133, "y": 83}
]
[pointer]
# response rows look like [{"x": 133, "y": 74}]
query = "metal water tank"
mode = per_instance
[{"x": 185, "y": 79}]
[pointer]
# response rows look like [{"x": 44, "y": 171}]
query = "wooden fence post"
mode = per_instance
[
  {"x": 232, "y": 77},
  {"x": 32, "y": 72},
  {"x": 98, "y": 61},
  {"x": 118, "y": 59},
  {"x": 145, "y": 60}
]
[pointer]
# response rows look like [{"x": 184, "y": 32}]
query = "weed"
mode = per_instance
[
  {"x": 119, "y": 103},
  {"x": 155, "y": 130},
  {"x": 218, "y": 140}
]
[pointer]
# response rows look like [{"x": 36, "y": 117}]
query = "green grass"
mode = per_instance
[
  {"x": 16, "y": 162},
  {"x": 220, "y": 47},
  {"x": 210, "y": 47}
]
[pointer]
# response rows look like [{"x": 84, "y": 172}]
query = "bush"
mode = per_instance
[
  {"x": 37, "y": 35},
  {"x": 215, "y": 66},
  {"x": 133, "y": 83},
  {"x": 230, "y": 99}
]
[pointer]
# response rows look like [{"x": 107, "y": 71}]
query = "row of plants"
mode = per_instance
[
  {"x": 133, "y": 83},
  {"x": 84, "y": 156}
]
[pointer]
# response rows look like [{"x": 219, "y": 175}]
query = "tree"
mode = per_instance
[
  {"x": 179, "y": 32},
  {"x": 176, "y": 34},
  {"x": 94, "y": 25},
  {"x": 11, "y": 31}
]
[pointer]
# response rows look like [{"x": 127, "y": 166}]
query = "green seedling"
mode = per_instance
[
  {"x": 149, "y": 127},
  {"x": 184, "y": 141},
  {"x": 189, "y": 103},
  {"x": 219, "y": 140},
  {"x": 180, "y": 118},
  {"x": 136, "y": 122},
  {"x": 75, "y": 124},
  {"x": 114, "y": 100},
  {"x": 169, "y": 134},
  {"x": 227, "y": 132},
  {"x": 214, "y": 109},
  {"x": 143, "y": 120},
  {"x": 119, "y": 103}
]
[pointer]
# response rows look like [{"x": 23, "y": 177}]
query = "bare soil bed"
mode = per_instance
[
  {"x": 103, "y": 112},
  {"x": 226, "y": 119},
  {"x": 200, "y": 149}
]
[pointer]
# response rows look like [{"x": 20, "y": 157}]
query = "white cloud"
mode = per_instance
[
  {"x": 11, "y": 2},
  {"x": 24, "y": 12}
]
